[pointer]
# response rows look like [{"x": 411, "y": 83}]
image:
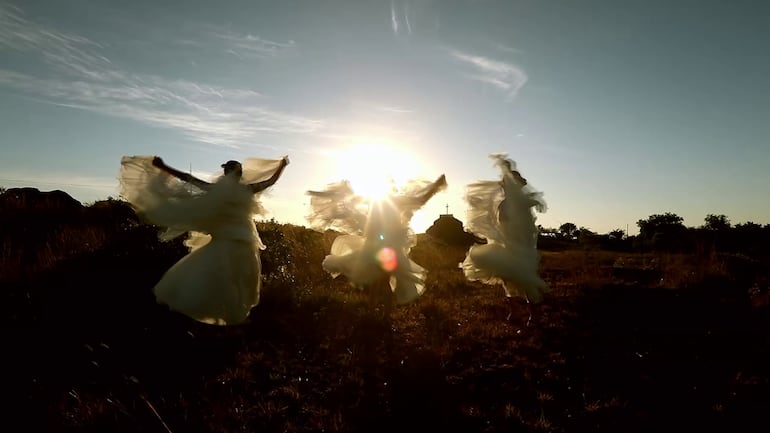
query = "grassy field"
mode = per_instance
[{"x": 624, "y": 342}]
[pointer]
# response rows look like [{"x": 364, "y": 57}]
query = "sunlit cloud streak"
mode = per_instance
[
  {"x": 77, "y": 74},
  {"x": 505, "y": 76}
]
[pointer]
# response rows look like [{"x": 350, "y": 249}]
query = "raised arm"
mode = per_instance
[
  {"x": 186, "y": 177},
  {"x": 424, "y": 197},
  {"x": 434, "y": 188},
  {"x": 261, "y": 186}
]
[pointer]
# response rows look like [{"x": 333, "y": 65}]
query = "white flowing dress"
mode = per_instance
[
  {"x": 501, "y": 212},
  {"x": 218, "y": 282},
  {"x": 377, "y": 237}
]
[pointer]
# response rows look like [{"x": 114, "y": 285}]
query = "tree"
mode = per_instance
[
  {"x": 568, "y": 230},
  {"x": 616, "y": 234},
  {"x": 586, "y": 236},
  {"x": 749, "y": 227},
  {"x": 716, "y": 222},
  {"x": 662, "y": 231},
  {"x": 548, "y": 231},
  {"x": 751, "y": 238},
  {"x": 659, "y": 223}
]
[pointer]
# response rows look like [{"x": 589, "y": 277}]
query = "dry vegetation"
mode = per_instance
[{"x": 624, "y": 342}]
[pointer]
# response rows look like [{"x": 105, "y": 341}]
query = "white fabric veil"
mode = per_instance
[
  {"x": 502, "y": 213},
  {"x": 368, "y": 226},
  {"x": 181, "y": 207},
  {"x": 485, "y": 197},
  {"x": 338, "y": 208}
]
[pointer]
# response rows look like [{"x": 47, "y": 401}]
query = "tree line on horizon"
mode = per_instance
[{"x": 664, "y": 232}]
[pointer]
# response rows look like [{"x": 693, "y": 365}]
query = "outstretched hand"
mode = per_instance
[{"x": 441, "y": 181}]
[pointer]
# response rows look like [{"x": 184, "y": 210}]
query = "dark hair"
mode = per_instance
[
  {"x": 519, "y": 177},
  {"x": 231, "y": 164}
]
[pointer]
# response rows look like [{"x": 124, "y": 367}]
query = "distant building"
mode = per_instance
[{"x": 449, "y": 230}]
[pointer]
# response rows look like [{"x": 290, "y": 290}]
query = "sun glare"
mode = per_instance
[{"x": 374, "y": 169}]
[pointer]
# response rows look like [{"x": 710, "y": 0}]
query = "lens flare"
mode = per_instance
[{"x": 388, "y": 259}]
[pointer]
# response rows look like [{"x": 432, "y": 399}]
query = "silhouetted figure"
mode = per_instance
[
  {"x": 501, "y": 212},
  {"x": 373, "y": 252},
  {"x": 218, "y": 282}
]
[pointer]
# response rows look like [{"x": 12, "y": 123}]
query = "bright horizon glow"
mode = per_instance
[{"x": 375, "y": 168}]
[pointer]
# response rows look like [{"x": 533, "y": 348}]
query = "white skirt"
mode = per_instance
[
  {"x": 515, "y": 268},
  {"x": 363, "y": 266},
  {"x": 217, "y": 283}
]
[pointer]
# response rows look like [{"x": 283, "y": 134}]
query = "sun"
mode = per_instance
[{"x": 375, "y": 168}]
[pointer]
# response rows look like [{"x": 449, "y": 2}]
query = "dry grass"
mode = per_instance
[
  {"x": 27, "y": 255},
  {"x": 608, "y": 350}
]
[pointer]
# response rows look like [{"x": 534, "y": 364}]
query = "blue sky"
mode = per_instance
[{"x": 616, "y": 110}]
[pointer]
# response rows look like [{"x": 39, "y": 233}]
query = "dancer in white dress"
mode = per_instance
[
  {"x": 377, "y": 237},
  {"x": 218, "y": 282},
  {"x": 501, "y": 212}
]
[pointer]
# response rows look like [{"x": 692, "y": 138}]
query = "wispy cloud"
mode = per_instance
[
  {"x": 507, "y": 49},
  {"x": 397, "y": 16},
  {"x": 78, "y": 75},
  {"x": 507, "y": 77},
  {"x": 397, "y": 110},
  {"x": 393, "y": 17},
  {"x": 251, "y": 46},
  {"x": 382, "y": 107},
  {"x": 406, "y": 18},
  {"x": 67, "y": 52}
]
